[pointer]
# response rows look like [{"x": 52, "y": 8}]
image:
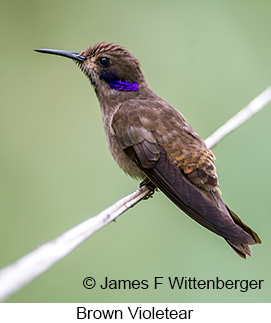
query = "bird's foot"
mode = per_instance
[{"x": 150, "y": 186}]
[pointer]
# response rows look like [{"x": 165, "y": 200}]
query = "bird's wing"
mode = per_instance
[{"x": 142, "y": 147}]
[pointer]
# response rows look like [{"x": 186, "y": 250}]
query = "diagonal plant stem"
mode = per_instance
[
  {"x": 242, "y": 116},
  {"x": 15, "y": 276}
]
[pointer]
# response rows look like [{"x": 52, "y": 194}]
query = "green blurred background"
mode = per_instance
[{"x": 208, "y": 59}]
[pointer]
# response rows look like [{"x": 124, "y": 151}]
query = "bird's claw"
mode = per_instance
[{"x": 150, "y": 186}]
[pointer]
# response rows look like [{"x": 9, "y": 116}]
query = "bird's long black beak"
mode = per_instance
[{"x": 72, "y": 55}]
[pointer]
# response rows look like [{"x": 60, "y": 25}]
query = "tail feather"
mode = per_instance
[
  {"x": 242, "y": 249},
  {"x": 245, "y": 227},
  {"x": 205, "y": 207}
]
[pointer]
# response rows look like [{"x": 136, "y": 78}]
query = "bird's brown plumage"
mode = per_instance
[
  {"x": 190, "y": 181},
  {"x": 148, "y": 138}
]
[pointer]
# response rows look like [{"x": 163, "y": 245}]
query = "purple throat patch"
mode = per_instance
[{"x": 123, "y": 86}]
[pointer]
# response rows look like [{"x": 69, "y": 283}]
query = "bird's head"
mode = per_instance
[{"x": 112, "y": 70}]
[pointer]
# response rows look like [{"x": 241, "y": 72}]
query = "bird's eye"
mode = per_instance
[{"x": 104, "y": 61}]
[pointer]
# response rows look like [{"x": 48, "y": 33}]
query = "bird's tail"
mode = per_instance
[{"x": 242, "y": 249}]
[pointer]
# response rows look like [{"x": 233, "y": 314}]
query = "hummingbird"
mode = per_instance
[{"x": 153, "y": 142}]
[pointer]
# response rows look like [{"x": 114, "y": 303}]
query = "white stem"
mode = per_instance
[
  {"x": 13, "y": 277},
  {"x": 243, "y": 115},
  {"x": 30, "y": 266}
]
